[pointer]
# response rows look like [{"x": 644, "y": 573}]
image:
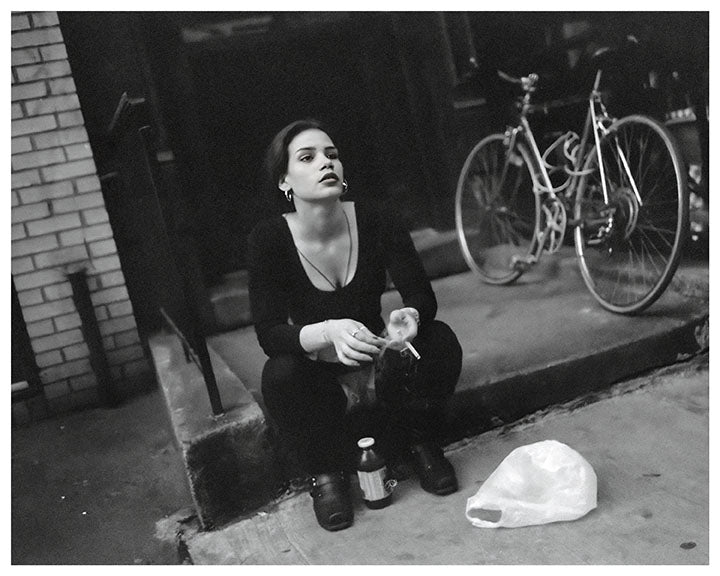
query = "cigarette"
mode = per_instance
[{"x": 410, "y": 347}]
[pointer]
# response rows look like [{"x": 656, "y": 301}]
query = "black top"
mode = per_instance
[{"x": 283, "y": 299}]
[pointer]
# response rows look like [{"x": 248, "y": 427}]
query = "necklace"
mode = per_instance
[{"x": 335, "y": 285}]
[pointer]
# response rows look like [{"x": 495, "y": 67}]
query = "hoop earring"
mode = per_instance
[
  {"x": 345, "y": 187},
  {"x": 288, "y": 195}
]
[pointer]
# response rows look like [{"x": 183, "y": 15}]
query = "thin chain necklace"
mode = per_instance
[{"x": 335, "y": 285}]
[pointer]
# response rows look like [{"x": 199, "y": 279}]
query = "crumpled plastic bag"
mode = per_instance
[{"x": 536, "y": 484}]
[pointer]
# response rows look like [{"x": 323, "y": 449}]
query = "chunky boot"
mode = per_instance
[
  {"x": 331, "y": 501},
  {"x": 436, "y": 474}
]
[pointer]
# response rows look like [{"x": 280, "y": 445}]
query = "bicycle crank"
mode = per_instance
[{"x": 555, "y": 218}]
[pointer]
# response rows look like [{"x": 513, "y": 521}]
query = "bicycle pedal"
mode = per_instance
[{"x": 522, "y": 263}]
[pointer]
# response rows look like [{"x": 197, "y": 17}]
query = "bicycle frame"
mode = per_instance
[{"x": 595, "y": 125}]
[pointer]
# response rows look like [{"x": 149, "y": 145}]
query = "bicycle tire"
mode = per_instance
[
  {"x": 628, "y": 265},
  {"x": 494, "y": 227}
]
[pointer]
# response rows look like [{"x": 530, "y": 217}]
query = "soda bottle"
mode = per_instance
[{"x": 373, "y": 476}]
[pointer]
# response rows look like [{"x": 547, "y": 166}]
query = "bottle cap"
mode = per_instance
[{"x": 366, "y": 442}]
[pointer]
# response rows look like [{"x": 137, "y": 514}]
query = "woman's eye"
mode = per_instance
[
  {"x": 305, "y": 158},
  {"x": 332, "y": 155}
]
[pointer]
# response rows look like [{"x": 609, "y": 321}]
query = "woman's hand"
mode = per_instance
[
  {"x": 353, "y": 342},
  {"x": 402, "y": 327}
]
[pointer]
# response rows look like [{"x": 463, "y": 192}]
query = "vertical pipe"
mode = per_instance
[{"x": 91, "y": 333}]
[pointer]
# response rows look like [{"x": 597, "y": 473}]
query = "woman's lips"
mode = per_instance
[{"x": 329, "y": 176}]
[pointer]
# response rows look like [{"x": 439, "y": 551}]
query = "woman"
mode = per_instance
[{"x": 316, "y": 278}]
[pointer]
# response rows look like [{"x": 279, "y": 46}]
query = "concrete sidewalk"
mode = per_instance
[{"x": 647, "y": 441}]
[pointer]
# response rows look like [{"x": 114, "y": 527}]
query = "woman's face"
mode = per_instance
[{"x": 314, "y": 169}]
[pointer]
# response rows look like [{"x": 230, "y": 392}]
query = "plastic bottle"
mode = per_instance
[{"x": 373, "y": 476}]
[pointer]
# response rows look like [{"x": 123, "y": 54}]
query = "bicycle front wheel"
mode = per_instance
[
  {"x": 496, "y": 210},
  {"x": 629, "y": 238}
]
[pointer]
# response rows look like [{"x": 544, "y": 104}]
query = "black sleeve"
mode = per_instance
[
  {"x": 405, "y": 267},
  {"x": 268, "y": 297}
]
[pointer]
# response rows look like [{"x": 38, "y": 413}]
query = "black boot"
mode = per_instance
[
  {"x": 331, "y": 501},
  {"x": 436, "y": 474}
]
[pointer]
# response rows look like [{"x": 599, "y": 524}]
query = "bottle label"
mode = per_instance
[{"x": 372, "y": 484}]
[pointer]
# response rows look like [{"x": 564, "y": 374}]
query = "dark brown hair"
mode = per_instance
[{"x": 276, "y": 157}]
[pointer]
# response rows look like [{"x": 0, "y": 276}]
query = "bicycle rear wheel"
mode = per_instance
[
  {"x": 496, "y": 210},
  {"x": 629, "y": 244}
]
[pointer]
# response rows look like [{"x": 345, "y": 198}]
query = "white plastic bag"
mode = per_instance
[{"x": 536, "y": 484}]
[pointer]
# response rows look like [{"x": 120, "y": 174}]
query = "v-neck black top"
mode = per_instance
[{"x": 283, "y": 299}]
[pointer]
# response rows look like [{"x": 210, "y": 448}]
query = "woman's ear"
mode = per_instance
[{"x": 283, "y": 185}]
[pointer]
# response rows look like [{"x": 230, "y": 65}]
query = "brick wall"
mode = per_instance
[{"x": 59, "y": 223}]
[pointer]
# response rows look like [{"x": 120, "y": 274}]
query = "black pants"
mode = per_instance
[{"x": 308, "y": 405}]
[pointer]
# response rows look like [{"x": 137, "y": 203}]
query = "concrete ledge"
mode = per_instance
[{"x": 229, "y": 460}]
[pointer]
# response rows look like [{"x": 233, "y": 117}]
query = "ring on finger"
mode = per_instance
[{"x": 355, "y": 332}]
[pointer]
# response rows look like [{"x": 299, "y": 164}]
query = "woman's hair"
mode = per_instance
[{"x": 276, "y": 157}]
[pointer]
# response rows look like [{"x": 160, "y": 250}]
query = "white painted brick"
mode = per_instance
[
  {"x": 83, "y": 382},
  {"x": 101, "y": 313},
  {"x": 75, "y": 203},
  {"x": 36, "y": 37},
  {"x": 43, "y": 19},
  {"x": 57, "y": 291},
  {"x": 74, "y": 118},
  {"x": 76, "y": 351},
  {"x": 68, "y": 170},
  {"x": 98, "y": 232},
  {"x": 117, "y": 325},
  {"x": 109, "y": 295},
  {"x": 103, "y": 247},
  {"x": 78, "y": 151},
  {"x": 95, "y": 216},
  {"x": 124, "y": 355},
  {"x": 62, "y": 85},
  {"x": 17, "y": 232},
  {"x": 56, "y": 390},
  {"x": 33, "y": 245},
  {"x": 16, "y": 111},
  {"x": 53, "y": 224},
  {"x": 33, "y": 125},
  {"x": 52, "y": 104},
  {"x": 48, "y": 310},
  {"x": 45, "y": 192},
  {"x": 14, "y": 198},
  {"x": 25, "y": 178},
  {"x": 60, "y": 137},
  {"x": 30, "y": 297},
  {"x": 67, "y": 321},
  {"x": 43, "y": 71},
  {"x": 27, "y": 212},
  {"x": 20, "y": 145},
  {"x": 61, "y": 257},
  {"x": 108, "y": 343},
  {"x": 27, "y": 92},
  {"x": 45, "y": 359},
  {"x": 19, "y": 22},
  {"x": 66, "y": 369},
  {"x": 23, "y": 56},
  {"x": 53, "y": 52},
  {"x": 105, "y": 263},
  {"x": 42, "y": 328},
  {"x": 39, "y": 278},
  {"x": 127, "y": 338},
  {"x": 22, "y": 265},
  {"x": 56, "y": 341},
  {"x": 120, "y": 308},
  {"x": 38, "y": 158},
  {"x": 112, "y": 279},
  {"x": 72, "y": 237},
  {"x": 88, "y": 184}
]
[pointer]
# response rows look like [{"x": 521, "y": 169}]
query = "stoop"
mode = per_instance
[{"x": 229, "y": 460}]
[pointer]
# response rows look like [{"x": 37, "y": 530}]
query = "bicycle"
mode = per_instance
[{"x": 622, "y": 182}]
